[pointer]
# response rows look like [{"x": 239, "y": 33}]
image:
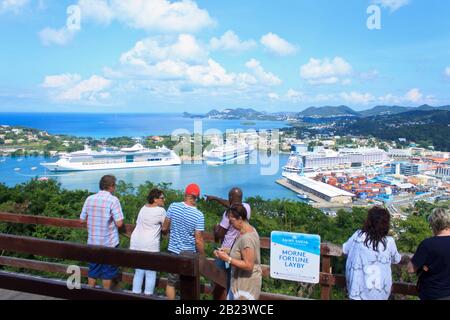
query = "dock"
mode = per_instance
[{"x": 319, "y": 203}]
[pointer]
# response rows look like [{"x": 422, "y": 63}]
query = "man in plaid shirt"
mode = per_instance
[{"x": 104, "y": 216}]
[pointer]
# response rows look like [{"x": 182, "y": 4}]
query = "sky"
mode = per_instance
[{"x": 175, "y": 56}]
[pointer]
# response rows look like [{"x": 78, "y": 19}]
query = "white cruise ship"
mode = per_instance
[
  {"x": 228, "y": 153},
  {"x": 135, "y": 157}
]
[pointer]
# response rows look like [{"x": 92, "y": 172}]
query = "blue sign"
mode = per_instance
[{"x": 295, "y": 256}]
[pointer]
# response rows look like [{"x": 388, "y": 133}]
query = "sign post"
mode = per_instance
[{"x": 295, "y": 257}]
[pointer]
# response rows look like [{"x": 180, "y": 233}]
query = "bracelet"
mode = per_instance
[{"x": 229, "y": 260}]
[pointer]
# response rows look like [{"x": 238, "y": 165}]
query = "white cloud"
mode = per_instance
[
  {"x": 14, "y": 6},
  {"x": 392, "y": 5},
  {"x": 61, "y": 81},
  {"x": 229, "y": 41},
  {"x": 149, "y": 15},
  {"x": 318, "y": 72},
  {"x": 278, "y": 45},
  {"x": 212, "y": 74},
  {"x": 70, "y": 88},
  {"x": 357, "y": 98},
  {"x": 151, "y": 50},
  {"x": 99, "y": 11},
  {"x": 295, "y": 96},
  {"x": 414, "y": 95},
  {"x": 274, "y": 96},
  {"x": 390, "y": 99},
  {"x": 264, "y": 77},
  {"x": 447, "y": 72},
  {"x": 51, "y": 36}
]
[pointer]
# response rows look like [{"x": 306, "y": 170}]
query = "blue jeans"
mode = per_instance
[
  {"x": 150, "y": 281},
  {"x": 225, "y": 266}
]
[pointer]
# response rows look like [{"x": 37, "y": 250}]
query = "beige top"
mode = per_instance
[{"x": 246, "y": 285}]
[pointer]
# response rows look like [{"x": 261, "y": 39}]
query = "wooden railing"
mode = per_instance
[{"x": 190, "y": 268}]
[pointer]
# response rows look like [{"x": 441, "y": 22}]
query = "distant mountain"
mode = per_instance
[
  {"x": 384, "y": 110},
  {"x": 325, "y": 113},
  {"x": 328, "y": 112},
  {"x": 237, "y": 114}
]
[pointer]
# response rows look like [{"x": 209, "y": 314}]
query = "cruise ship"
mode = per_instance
[
  {"x": 344, "y": 159},
  {"x": 126, "y": 158},
  {"x": 228, "y": 153}
]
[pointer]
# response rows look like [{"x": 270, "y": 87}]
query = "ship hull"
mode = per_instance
[{"x": 67, "y": 167}]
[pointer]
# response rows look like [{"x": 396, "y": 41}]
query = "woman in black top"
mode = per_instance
[{"x": 432, "y": 259}]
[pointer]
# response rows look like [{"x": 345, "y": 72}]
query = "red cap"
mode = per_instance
[{"x": 193, "y": 190}]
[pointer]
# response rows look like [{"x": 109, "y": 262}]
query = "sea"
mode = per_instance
[
  {"x": 129, "y": 125},
  {"x": 255, "y": 179}
]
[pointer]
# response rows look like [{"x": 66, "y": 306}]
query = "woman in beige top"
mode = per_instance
[{"x": 244, "y": 258}]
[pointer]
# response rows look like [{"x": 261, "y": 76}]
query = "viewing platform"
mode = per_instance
[{"x": 191, "y": 267}]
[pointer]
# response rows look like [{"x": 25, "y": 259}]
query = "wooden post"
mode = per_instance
[
  {"x": 190, "y": 285},
  {"x": 325, "y": 289}
]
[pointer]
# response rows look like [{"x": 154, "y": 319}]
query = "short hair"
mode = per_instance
[
  {"x": 439, "y": 220},
  {"x": 238, "y": 211},
  {"x": 154, "y": 194},
  {"x": 107, "y": 181}
]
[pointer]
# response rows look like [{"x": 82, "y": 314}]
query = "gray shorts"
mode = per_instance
[{"x": 173, "y": 279}]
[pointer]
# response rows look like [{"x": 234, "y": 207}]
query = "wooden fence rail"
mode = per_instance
[
  {"x": 165, "y": 263},
  {"x": 187, "y": 266}
]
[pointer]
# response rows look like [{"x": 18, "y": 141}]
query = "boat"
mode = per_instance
[
  {"x": 107, "y": 159},
  {"x": 228, "y": 153},
  {"x": 34, "y": 168},
  {"x": 17, "y": 169},
  {"x": 302, "y": 196},
  {"x": 294, "y": 164}
]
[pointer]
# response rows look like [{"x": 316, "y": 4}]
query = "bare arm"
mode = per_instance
[
  {"x": 119, "y": 224},
  {"x": 223, "y": 202},
  {"x": 248, "y": 259},
  {"x": 219, "y": 233},
  {"x": 412, "y": 268},
  {"x": 199, "y": 242},
  {"x": 166, "y": 226}
]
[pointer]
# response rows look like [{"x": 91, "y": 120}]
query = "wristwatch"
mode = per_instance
[{"x": 229, "y": 260}]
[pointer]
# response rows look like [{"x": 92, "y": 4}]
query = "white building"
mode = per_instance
[{"x": 320, "y": 189}]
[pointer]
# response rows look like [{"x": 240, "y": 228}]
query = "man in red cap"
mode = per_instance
[{"x": 186, "y": 224}]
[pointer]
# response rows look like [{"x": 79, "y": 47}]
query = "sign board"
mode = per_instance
[{"x": 295, "y": 256}]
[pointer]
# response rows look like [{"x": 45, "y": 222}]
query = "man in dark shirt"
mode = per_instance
[{"x": 432, "y": 259}]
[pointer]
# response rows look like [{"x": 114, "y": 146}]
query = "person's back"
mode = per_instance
[
  {"x": 434, "y": 253},
  {"x": 368, "y": 272},
  {"x": 184, "y": 221},
  {"x": 370, "y": 253},
  {"x": 103, "y": 216},
  {"x": 147, "y": 234},
  {"x": 100, "y": 211}
]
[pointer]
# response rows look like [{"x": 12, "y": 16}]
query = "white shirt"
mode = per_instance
[
  {"x": 147, "y": 234},
  {"x": 368, "y": 272}
]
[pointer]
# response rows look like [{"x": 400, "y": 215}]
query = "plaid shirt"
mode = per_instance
[{"x": 101, "y": 210}]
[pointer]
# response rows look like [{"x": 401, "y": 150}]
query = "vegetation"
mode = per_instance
[
  {"x": 47, "y": 198},
  {"x": 414, "y": 125}
]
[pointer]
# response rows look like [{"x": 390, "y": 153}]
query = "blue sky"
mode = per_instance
[{"x": 175, "y": 56}]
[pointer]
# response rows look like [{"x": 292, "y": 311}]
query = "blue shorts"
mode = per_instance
[
  {"x": 103, "y": 271},
  {"x": 225, "y": 266}
]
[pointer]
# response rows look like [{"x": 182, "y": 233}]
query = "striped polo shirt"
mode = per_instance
[
  {"x": 101, "y": 210},
  {"x": 184, "y": 221}
]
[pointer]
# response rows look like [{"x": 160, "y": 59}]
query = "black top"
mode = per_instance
[{"x": 435, "y": 254}]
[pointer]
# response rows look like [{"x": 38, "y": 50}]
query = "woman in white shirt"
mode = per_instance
[
  {"x": 370, "y": 253},
  {"x": 147, "y": 237}
]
